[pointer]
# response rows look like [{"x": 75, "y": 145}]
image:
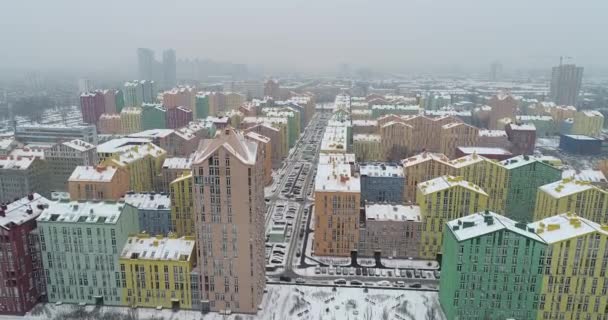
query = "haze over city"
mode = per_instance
[{"x": 307, "y": 36}]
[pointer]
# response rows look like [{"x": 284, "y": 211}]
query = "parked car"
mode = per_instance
[{"x": 340, "y": 281}]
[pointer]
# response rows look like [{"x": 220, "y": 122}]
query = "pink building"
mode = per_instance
[
  {"x": 275, "y": 136},
  {"x": 493, "y": 139},
  {"x": 22, "y": 282},
  {"x": 92, "y": 106},
  {"x": 109, "y": 99},
  {"x": 522, "y": 138},
  {"x": 503, "y": 106},
  {"x": 178, "y": 117},
  {"x": 109, "y": 124},
  {"x": 182, "y": 96}
]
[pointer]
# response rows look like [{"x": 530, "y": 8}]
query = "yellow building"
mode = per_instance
[
  {"x": 443, "y": 199},
  {"x": 570, "y": 195},
  {"x": 130, "y": 120},
  {"x": 182, "y": 205},
  {"x": 491, "y": 176},
  {"x": 337, "y": 210},
  {"x": 367, "y": 147},
  {"x": 454, "y": 135},
  {"x": 143, "y": 163},
  {"x": 588, "y": 122},
  {"x": 420, "y": 168},
  {"x": 574, "y": 285},
  {"x": 156, "y": 271}
]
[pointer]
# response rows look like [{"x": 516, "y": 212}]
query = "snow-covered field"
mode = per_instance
[{"x": 280, "y": 303}]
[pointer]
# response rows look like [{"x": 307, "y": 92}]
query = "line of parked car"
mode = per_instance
[{"x": 378, "y": 272}]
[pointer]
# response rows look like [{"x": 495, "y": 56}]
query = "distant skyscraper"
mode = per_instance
[
  {"x": 169, "y": 68},
  {"x": 495, "y": 71},
  {"x": 84, "y": 85},
  {"x": 565, "y": 84},
  {"x": 145, "y": 63}
]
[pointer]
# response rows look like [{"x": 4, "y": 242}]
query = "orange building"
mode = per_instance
[
  {"x": 423, "y": 167},
  {"x": 109, "y": 124},
  {"x": 98, "y": 183}
]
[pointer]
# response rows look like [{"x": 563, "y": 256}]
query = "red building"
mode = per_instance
[
  {"x": 522, "y": 138},
  {"x": 178, "y": 117},
  {"x": 92, "y": 106},
  {"x": 22, "y": 282}
]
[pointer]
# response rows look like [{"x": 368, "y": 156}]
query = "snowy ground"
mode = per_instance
[{"x": 280, "y": 303}]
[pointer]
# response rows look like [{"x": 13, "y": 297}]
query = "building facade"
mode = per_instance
[
  {"x": 153, "y": 212},
  {"x": 566, "y": 82},
  {"x": 571, "y": 195},
  {"x": 64, "y": 157},
  {"x": 393, "y": 230},
  {"x": 98, "y": 183},
  {"x": 182, "y": 205},
  {"x": 229, "y": 221},
  {"x": 382, "y": 182}
]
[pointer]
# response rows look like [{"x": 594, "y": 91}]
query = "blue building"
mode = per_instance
[
  {"x": 382, "y": 182},
  {"x": 153, "y": 211},
  {"x": 580, "y": 144}
]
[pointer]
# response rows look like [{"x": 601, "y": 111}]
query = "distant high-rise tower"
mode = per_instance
[
  {"x": 145, "y": 63},
  {"x": 495, "y": 71},
  {"x": 169, "y": 68},
  {"x": 84, "y": 85},
  {"x": 229, "y": 221},
  {"x": 565, "y": 84}
]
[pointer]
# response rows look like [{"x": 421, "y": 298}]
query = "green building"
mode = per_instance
[
  {"x": 524, "y": 175},
  {"x": 490, "y": 269},
  {"x": 80, "y": 243},
  {"x": 119, "y": 99},
  {"x": 201, "y": 106},
  {"x": 293, "y": 121},
  {"x": 153, "y": 116}
]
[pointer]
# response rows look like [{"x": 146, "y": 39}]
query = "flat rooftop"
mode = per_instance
[
  {"x": 148, "y": 201},
  {"x": 121, "y": 144},
  {"x": 566, "y": 187},
  {"x": 485, "y": 151},
  {"x": 93, "y": 174},
  {"x": 90, "y": 212},
  {"x": 585, "y": 175},
  {"x": 145, "y": 247},
  {"x": 381, "y": 170},
  {"x": 79, "y": 145},
  {"x": 482, "y": 223},
  {"x": 371, "y": 137},
  {"x": 23, "y": 210},
  {"x": 425, "y": 156},
  {"x": 565, "y": 226},
  {"x": 178, "y": 163},
  {"x": 391, "y": 212},
  {"x": 336, "y": 178},
  {"x": 329, "y": 158},
  {"x": 446, "y": 182}
]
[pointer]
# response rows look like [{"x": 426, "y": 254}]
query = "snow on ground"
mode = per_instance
[
  {"x": 552, "y": 142},
  {"x": 280, "y": 303}
]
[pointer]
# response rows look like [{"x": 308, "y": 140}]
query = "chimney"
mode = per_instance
[
  {"x": 29, "y": 211},
  {"x": 2, "y": 213},
  {"x": 30, "y": 197}
]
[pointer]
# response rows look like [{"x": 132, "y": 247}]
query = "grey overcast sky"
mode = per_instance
[{"x": 303, "y": 34}]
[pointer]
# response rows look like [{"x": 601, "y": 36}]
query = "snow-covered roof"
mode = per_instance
[
  {"x": 585, "y": 175},
  {"x": 492, "y": 133},
  {"x": 580, "y": 137},
  {"x": 592, "y": 113},
  {"x": 566, "y": 187},
  {"x": 380, "y": 170},
  {"x": 521, "y": 160},
  {"x": 257, "y": 137},
  {"x": 152, "y": 133},
  {"x": 233, "y": 142},
  {"x": 107, "y": 212},
  {"x": 138, "y": 152},
  {"x": 334, "y": 139},
  {"x": 482, "y": 223},
  {"x": 94, "y": 174},
  {"x": 484, "y": 150},
  {"x": 364, "y": 123},
  {"x": 467, "y": 160},
  {"x": 522, "y": 126},
  {"x": 565, "y": 226},
  {"x": 425, "y": 156},
  {"x": 16, "y": 163},
  {"x": 336, "y": 178},
  {"x": 534, "y": 118},
  {"x": 446, "y": 182},
  {"x": 178, "y": 163},
  {"x": 121, "y": 144},
  {"x": 79, "y": 145},
  {"x": 392, "y": 212},
  {"x": 148, "y": 201},
  {"x": 329, "y": 158},
  {"x": 25, "y": 209},
  {"x": 369, "y": 137},
  {"x": 145, "y": 247}
]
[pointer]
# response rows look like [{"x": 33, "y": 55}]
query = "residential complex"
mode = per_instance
[
  {"x": 98, "y": 183},
  {"x": 22, "y": 278},
  {"x": 80, "y": 243},
  {"x": 182, "y": 205},
  {"x": 64, "y": 157},
  {"x": 156, "y": 271},
  {"x": 588, "y": 123},
  {"x": 382, "y": 182},
  {"x": 229, "y": 201},
  {"x": 51, "y": 133},
  {"x": 574, "y": 196},
  {"x": 153, "y": 212}
]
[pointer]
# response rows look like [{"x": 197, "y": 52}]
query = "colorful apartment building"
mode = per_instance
[
  {"x": 153, "y": 116},
  {"x": 98, "y": 183},
  {"x": 368, "y": 147},
  {"x": 503, "y": 106},
  {"x": 178, "y": 117},
  {"x": 153, "y": 212},
  {"x": 381, "y": 182},
  {"x": 423, "y": 167},
  {"x": 265, "y": 147},
  {"x": 130, "y": 120},
  {"x": 455, "y": 134},
  {"x": 588, "y": 123},
  {"x": 182, "y": 205},
  {"x": 278, "y": 153},
  {"x": 522, "y": 137},
  {"x": 80, "y": 244},
  {"x": 172, "y": 169},
  {"x": 156, "y": 271},
  {"x": 391, "y": 229},
  {"x": 574, "y": 283},
  {"x": 64, "y": 157},
  {"x": 570, "y": 195},
  {"x": 396, "y": 137},
  {"x": 525, "y": 174},
  {"x": 22, "y": 175},
  {"x": 92, "y": 105},
  {"x": 201, "y": 109},
  {"x": 337, "y": 207},
  {"x": 293, "y": 121},
  {"x": 233, "y": 100},
  {"x": 228, "y": 178},
  {"x": 109, "y": 124},
  {"x": 281, "y": 144},
  {"x": 179, "y": 97},
  {"x": 22, "y": 283},
  {"x": 443, "y": 199},
  {"x": 490, "y": 268},
  {"x": 143, "y": 163}
]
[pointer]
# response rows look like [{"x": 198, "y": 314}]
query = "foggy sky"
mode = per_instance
[{"x": 305, "y": 34}]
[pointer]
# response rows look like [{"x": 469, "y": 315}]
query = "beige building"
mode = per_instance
[
  {"x": 62, "y": 158},
  {"x": 394, "y": 230},
  {"x": 337, "y": 209},
  {"x": 454, "y": 135},
  {"x": 233, "y": 100},
  {"x": 109, "y": 124},
  {"x": 265, "y": 147},
  {"x": 367, "y": 147},
  {"x": 396, "y": 139},
  {"x": 172, "y": 169},
  {"x": 98, "y": 183},
  {"x": 423, "y": 167},
  {"x": 229, "y": 204}
]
